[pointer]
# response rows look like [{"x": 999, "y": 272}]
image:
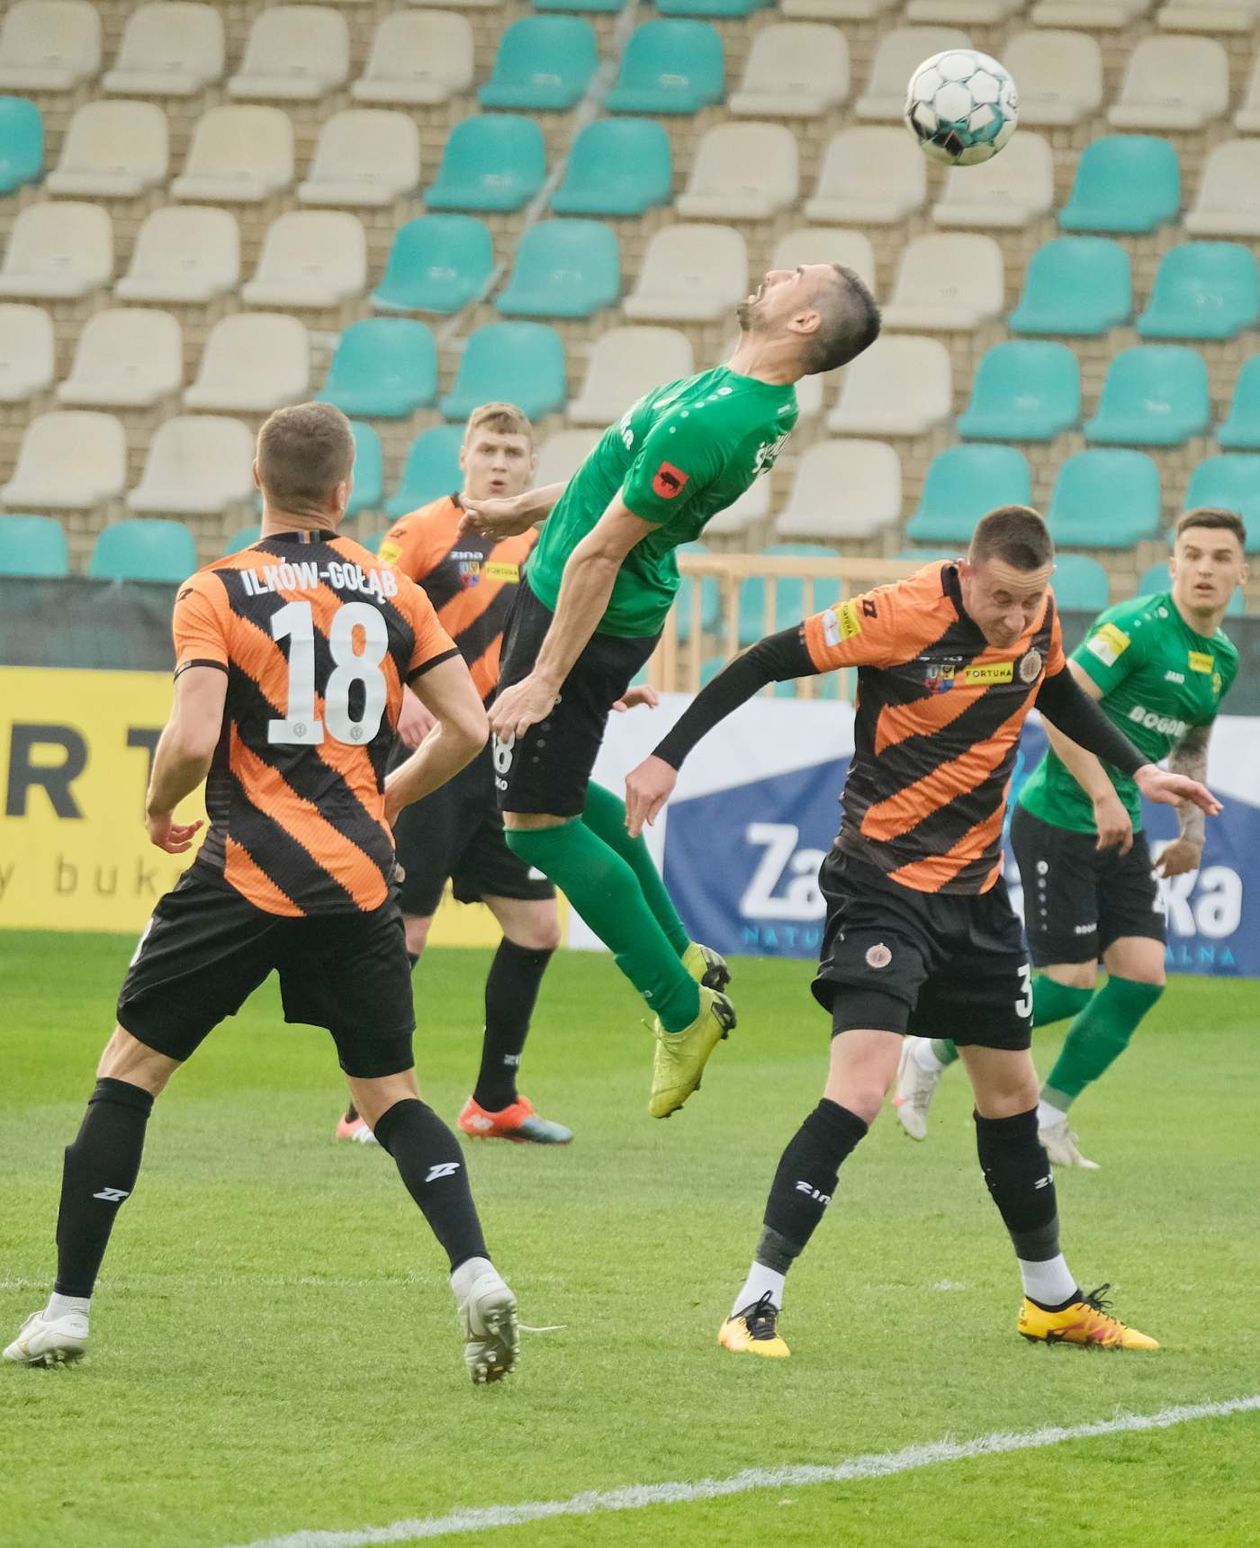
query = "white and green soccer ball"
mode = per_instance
[{"x": 962, "y": 107}]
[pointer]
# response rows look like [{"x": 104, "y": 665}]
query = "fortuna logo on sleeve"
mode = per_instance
[
  {"x": 668, "y": 481},
  {"x": 1109, "y": 644}
]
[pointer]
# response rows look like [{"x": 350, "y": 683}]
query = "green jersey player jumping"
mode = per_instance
[
  {"x": 590, "y": 611},
  {"x": 1160, "y": 665}
]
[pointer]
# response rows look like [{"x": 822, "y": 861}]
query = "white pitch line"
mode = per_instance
[{"x": 639, "y": 1496}]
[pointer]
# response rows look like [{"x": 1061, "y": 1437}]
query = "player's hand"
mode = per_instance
[
  {"x": 414, "y": 720},
  {"x": 1177, "y": 858},
  {"x": 1114, "y": 825},
  {"x": 176, "y": 838},
  {"x": 1169, "y": 789},
  {"x": 648, "y": 787},
  {"x": 498, "y": 518},
  {"x": 633, "y": 697},
  {"x": 522, "y": 705}
]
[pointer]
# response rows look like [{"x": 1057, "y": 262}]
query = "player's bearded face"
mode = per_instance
[
  {"x": 1000, "y": 600},
  {"x": 1207, "y": 565},
  {"x": 496, "y": 466}
]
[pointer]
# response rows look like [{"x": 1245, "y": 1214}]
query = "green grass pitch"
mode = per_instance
[{"x": 274, "y": 1344}]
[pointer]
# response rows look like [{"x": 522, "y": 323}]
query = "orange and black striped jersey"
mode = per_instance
[
  {"x": 471, "y": 580},
  {"x": 939, "y": 712},
  {"x": 317, "y": 638}
]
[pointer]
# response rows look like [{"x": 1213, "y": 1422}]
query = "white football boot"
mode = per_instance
[
  {"x": 915, "y": 1089},
  {"x": 487, "y": 1314},
  {"x": 1059, "y": 1143},
  {"x": 45, "y": 1340}
]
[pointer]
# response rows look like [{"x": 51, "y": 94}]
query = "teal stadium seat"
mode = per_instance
[
  {"x": 1232, "y": 483},
  {"x": 930, "y": 555},
  {"x": 1080, "y": 582},
  {"x": 33, "y": 545},
  {"x": 1153, "y": 395},
  {"x": 789, "y": 594},
  {"x": 1158, "y": 579},
  {"x": 618, "y": 166},
  {"x": 1105, "y": 499},
  {"x": 563, "y": 268},
  {"x": 494, "y": 162},
  {"x": 1124, "y": 182},
  {"x": 963, "y": 483},
  {"x": 1075, "y": 285},
  {"x": 670, "y": 65},
  {"x": 432, "y": 470},
  {"x": 1203, "y": 290},
  {"x": 710, "y": 599},
  {"x": 544, "y": 64},
  {"x": 437, "y": 263},
  {"x": 1023, "y": 391},
  {"x": 1241, "y": 428},
  {"x": 593, "y": 7},
  {"x": 243, "y": 537},
  {"x": 719, "y": 9},
  {"x": 21, "y": 143},
  {"x": 369, "y": 470},
  {"x": 517, "y": 362},
  {"x": 383, "y": 367},
  {"x": 147, "y": 549}
]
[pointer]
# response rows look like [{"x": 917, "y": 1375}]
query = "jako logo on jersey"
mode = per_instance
[
  {"x": 812, "y": 1192},
  {"x": 1165, "y": 725},
  {"x": 442, "y": 1169},
  {"x": 113, "y": 1195},
  {"x": 669, "y": 481}
]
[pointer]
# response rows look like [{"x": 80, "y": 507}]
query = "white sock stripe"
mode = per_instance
[{"x": 877, "y": 1465}]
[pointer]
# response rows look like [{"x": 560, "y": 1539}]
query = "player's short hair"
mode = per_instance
[
  {"x": 1215, "y": 520},
  {"x": 304, "y": 451},
  {"x": 1016, "y": 535},
  {"x": 499, "y": 419},
  {"x": 850, "y": 323}
]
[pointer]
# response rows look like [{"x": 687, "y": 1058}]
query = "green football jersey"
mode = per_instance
[
  {"x": 1158, "y": 678},
  {"x": 681, "y": 454}
]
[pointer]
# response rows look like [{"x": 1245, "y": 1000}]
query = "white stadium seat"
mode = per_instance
[
  {"x": 947, "y": 284},
  {"x": 198, "y": 465},
  {"x": 836, "y": 10},
  {"x": 365, "y": 157},
  {"x": 418, "y": 57},
  {"x": 741, "y": 172},
  {"x": 68, "y": 461},
  {"x": 1010, "y": 191},
  {"x": 126, "y": 357},
  {"x": 461, "y": 5},
  {"x": 752, "y": 508},
  {"x": 826, "y": 244},
  {"x": 562, "y": 454},
  {"x": 27, "y": 352},
  {"x": 49, "y": 45},
  {"x": 173, "y": 48},
  {"x": 962, "y": 13},
  {"x": 794, "y": 70},
  {"x": 238, "y": 155},
  {"x": 252, "y": 363},
  {"x": 901, "y": 385},
  {"x": 112, "y": 150},
  {"x": 310, "y": 258},
  {"x": 870, "y": 177},
  {"x": 1228, "y": 201},
  {"x": 690, "y": 274},
  {"x": 842, "y": 489},
  {"x": 1247, "y": 118},
  {"x": 1209, "y": 15},
  {"x": 1059, "y": 76},
  {"x": 58, "y": 251},
  {"x": 624, "y": 364},
  {"x": 899, "y": 54},
  {"x": 298, "y": 53},
  {"x": 183, "y": 254},
  {"x": 1090, "y": 15},
  {"x": 1173, "y": 83}
]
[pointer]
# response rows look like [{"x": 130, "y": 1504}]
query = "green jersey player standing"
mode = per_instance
[
  {"x": 591, "y": 608},
  {"x": 1160, "y": 665}
]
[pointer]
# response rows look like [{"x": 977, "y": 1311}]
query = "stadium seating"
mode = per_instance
[
  {"x": 437, "y": 263},
  {"x": 490, "y": 163},
  {"x": 616, "y": 167},
  {"x": 1240, "y": 430},
  {"x": 843, "y": 489},
  {"x": 151, "y": 550},
  {"x": 173, "y": 49},
  {"x": 670, "y": 65},
  {"x": 368, "y": 490},
  {"x": 1060, "y": 77},
  {"x": 484, "y": 5},
  {"x": 1124, "y": 182},
  {"x": 562, "y": 454},
  {"x": 1154, "y": 395},
  {"x": 252, "y": 363},
  {"x": 728, "y": 9},
  {"x": 869, "y": 177},
  {"x": 902, "y": 385},
  {"x": 755, "y": 616},
  {"x": 544, "y": 64},
  {"x": 1093, "y": 15},
  {"x": 21, "y": 143},
  {"x": 365, "y": 157},
  {"x": 1158, "y": 578},
  {"x": 243, "y": 537},
  {"x": 383, "y": 367},
  {"x": 1228, "y": 201},
  {"x": 1105, "y": 499},
  {"x": 49, "y": 45},
  {"x": 794, "y": 70},
  {"x": 298, "y": 53},
  {"x": 690, "y": 273},
  {"x": 741, "y": 172},
  {"x": 189, "y": 255},
  {"x": 1075, "y": 285},
  {"x": 112, "y": 150},
  {"x": 947, "y": 284},
  {"x": 1203, "y": 290},
  {"x": 1246, "y": 120},
  {"x": 1023, "y": 391},
  {"x": 517, "y": 362},
  {"x": 418, "y": 58},
  {"x": 310, "y": 258},
  {"x": 826, "y": 244},
  {"x": 198, "y": 465},
  {"x": 1173, "y": 83},
  {"x": 963, "y": 483},
  {"x": 900, "y": 52},
  {"x": 27, "y": 351},
  {"x": 594, "y": 6},
  {"x": 1231, "y": 482},
  {"x": 710, "y": 599},
  {"x": 563, "y": 268},
  {"x": 69, "y": 460},
  {"x": 431, "y": 470},
  {"x": 1208, "y": 15},
  {"x": 1013, "y": 190},
  {"x": 1080, "y": 582},
  {"x": 835, "y": 10},
  {"x": 125, "y": 357},
  {"x": 625, "y": 363},
  {"x": 239, "y": 155},
  {"x": 33, "y": 545},
  {"x": 58, "y": 251}
]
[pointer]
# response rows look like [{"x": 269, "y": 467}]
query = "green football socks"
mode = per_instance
[
  {"x": 605, "y": 816},
  {"x": 1098, "y": 1037}
]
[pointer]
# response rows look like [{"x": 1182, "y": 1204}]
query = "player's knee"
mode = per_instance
[
  {"x": 127, "y": 1059},
  {"x": 538, "y": 933},
  {"x": 865, "y": 1098},
  {"x": 1073, "y": 975},
  {"x": 417, "y": 928}
]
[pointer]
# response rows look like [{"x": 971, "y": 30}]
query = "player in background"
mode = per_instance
[
  {"x": 1159, "y": 666},
  {"x": 919, "y": 927},
  {"x": 599, "y": 585},
  {"x": 290, "y": 662}
]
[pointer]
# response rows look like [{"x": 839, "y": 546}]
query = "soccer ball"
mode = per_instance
[{"x": 962, "y": 107}]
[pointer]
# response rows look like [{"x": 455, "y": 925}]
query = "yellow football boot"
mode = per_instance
[
  {"x": 706, "y": 966},
  {"x": 752, "y": 1331},
  {"x": 1086, "y": 1321},
  {"x": 680, "y": 1057}
]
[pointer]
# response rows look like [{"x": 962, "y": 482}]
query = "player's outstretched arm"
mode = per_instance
[
  {"x": 512, "y": 516},
  {"x": 1111, "y": 818},
  {"x": 1189, "y": 757},
  {"x": 185, "y": 751},
  {"x": 447, "y": 691}
]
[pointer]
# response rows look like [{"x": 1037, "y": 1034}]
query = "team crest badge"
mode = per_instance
[
  {"x": 1030, "y": 666},
  {"x": 878, "y": 956},
  {"x": 668, "y": 481}
]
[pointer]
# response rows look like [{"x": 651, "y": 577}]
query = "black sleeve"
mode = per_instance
[
  {"x": 1067, "y": 706},
  {"x": 772, "y": 660}
]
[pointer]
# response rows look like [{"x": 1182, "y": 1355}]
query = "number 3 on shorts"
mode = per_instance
[{"x": 1023, "y": 1006}]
